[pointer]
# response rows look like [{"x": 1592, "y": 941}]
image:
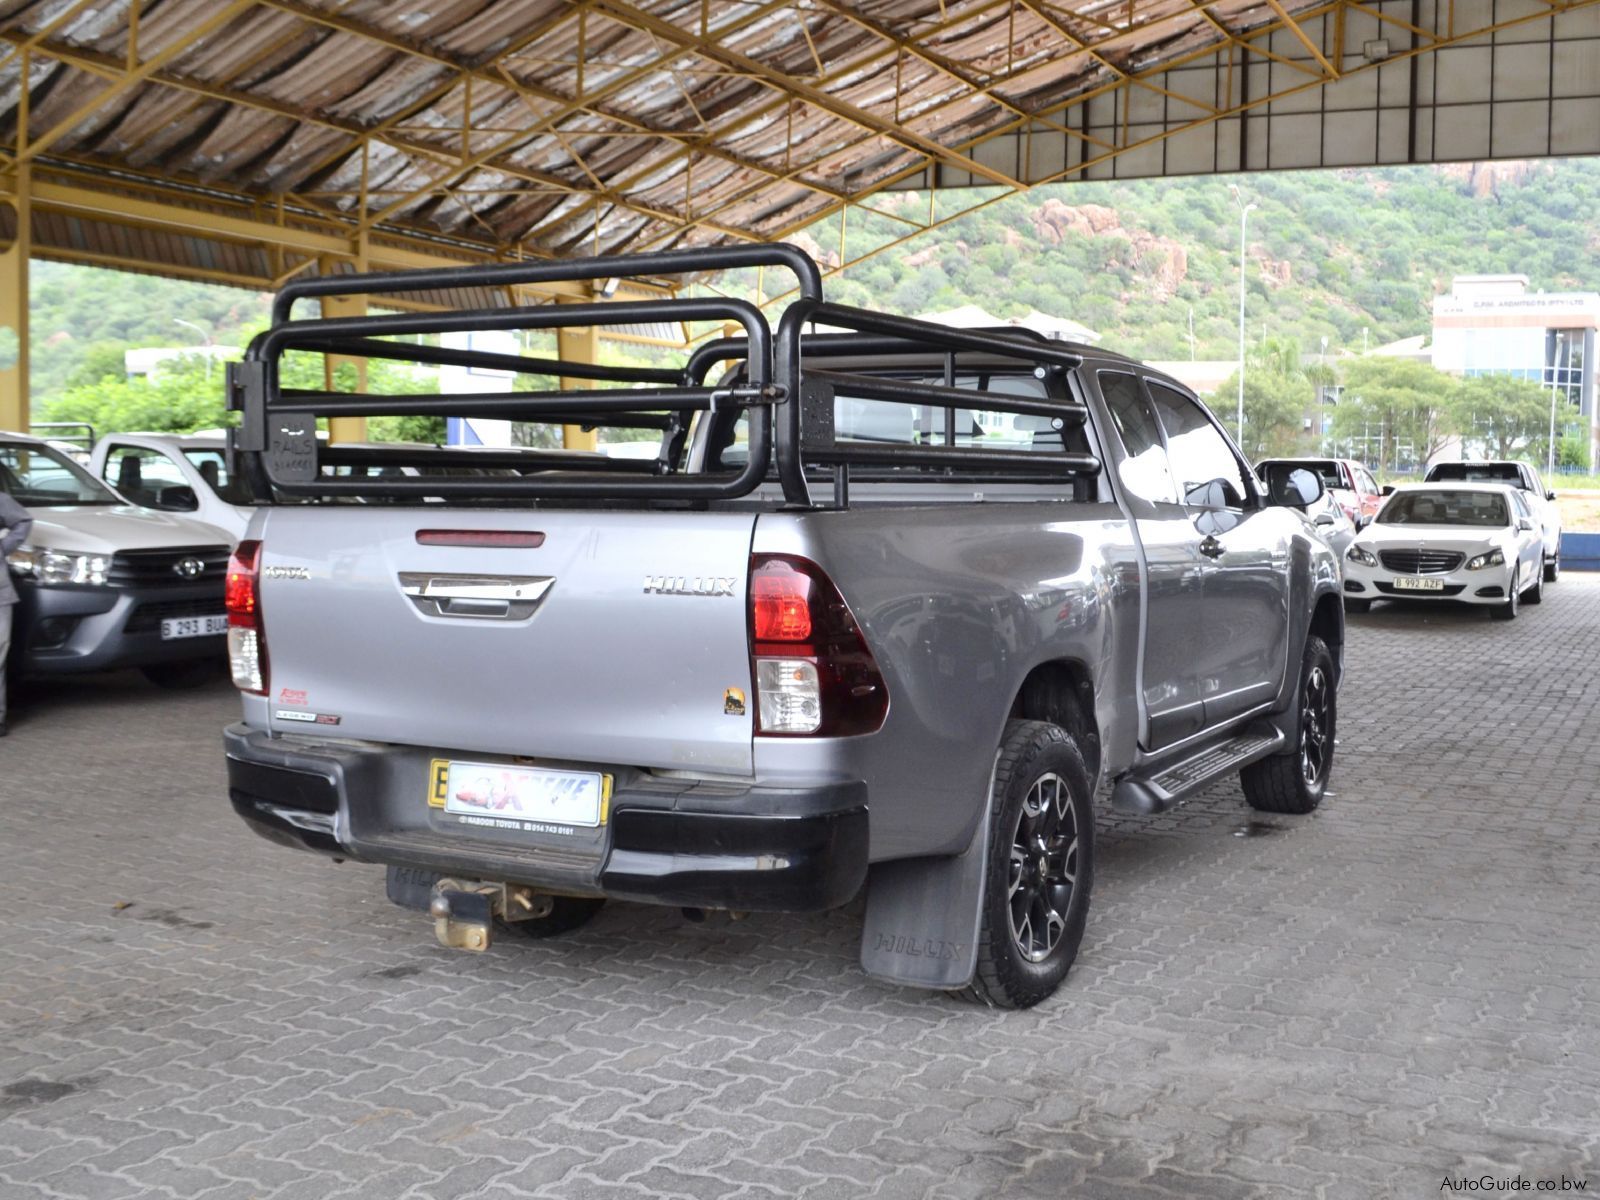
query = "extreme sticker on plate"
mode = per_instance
[
  {"x": 1412, "y": 584},
  {"x": 532, "y": 799}
]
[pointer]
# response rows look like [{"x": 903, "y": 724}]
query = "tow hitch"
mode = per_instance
[{"x": 464, "y": 910}]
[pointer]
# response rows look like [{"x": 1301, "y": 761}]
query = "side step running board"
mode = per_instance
[{"x": 1144, "y": 795}]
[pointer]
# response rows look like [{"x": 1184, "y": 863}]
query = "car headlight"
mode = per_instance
[
  {"x": 48, "y": 567},
  {"x": 1360, "y": 554},
  {"x": 1494, "y": 558}
]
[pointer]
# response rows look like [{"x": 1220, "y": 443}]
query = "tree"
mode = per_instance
[
  {"x": 1404, "y": 403},
  {"x": 1505, "y": 415},
  {"x": 1274, "y": 412}
]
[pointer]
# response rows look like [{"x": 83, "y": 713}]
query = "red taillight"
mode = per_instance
[
  {"x": 503, "y": 539},
  {"x": 247, "y": 638},
  {"x": 780, "y": 602},
  {"x": 239, "y": 594},
  {"x": 814, "y": 675}
]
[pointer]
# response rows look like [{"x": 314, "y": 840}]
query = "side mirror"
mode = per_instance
[
  {"x": 1525, "y": 525},
  {"x": 1362, "y": 522},
  {"x": 177, "y": 498},
  {"x": 1325, "y": 519},
  {"x": 1387, "y": 489},
  {"x": 1293, "y": 487},
  {"x": 1550, "y": 495}
]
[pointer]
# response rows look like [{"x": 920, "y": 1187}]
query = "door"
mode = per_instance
[
  {"x": 1168, "y": 683},
  {"x": 581, "y": 634},
  {"x": 1242, "y": 653}
]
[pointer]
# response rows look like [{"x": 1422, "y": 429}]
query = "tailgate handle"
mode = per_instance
[{"x": 475, "y": 597}]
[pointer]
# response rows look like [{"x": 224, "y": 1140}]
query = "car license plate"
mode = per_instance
[
  {"x": 187, "y": 627},
  {"x": 1411, "y": 583},
  {"x": 501, "y": 792}
]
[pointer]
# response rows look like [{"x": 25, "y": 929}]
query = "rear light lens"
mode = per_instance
[
  {"x": 247, "y": 639},
  {"x": 813, "y": 671}
]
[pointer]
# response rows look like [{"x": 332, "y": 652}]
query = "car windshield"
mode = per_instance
[
  {"x": 38, "y": 477},
  {"x": 1325, "y": 468},
  {"x": 1487, "y": 509}
]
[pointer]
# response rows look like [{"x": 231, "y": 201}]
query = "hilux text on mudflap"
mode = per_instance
[{"x": 884, "y": 610}]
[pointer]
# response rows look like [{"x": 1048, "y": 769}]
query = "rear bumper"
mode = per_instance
[
  {"x": 66, "y": 630},
  {"x": 681, "y": 843}
]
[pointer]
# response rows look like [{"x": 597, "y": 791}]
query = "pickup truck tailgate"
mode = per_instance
[{"x": 617, "y": 639}]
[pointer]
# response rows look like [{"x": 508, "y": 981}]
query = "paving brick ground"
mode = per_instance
[{"x": 1400, "y": 988}]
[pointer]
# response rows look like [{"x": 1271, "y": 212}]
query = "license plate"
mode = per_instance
[
  {"x": 187, "y": 627},
  {"x": 1405, "y": 583},
  {"x": 499, "y": 792}
]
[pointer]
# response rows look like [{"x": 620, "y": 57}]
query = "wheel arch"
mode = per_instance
[
  {"x": 1327, "y": 623},
  {"x": 1061, "y": 691}
]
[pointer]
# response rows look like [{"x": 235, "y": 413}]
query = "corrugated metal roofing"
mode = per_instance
[{"x": 562, "y": 128}]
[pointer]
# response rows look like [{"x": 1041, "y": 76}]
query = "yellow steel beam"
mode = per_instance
[
  {"x": 1304, "y": 38},
  {"x": 344, "y": 429},
  {"x": 14, "y": 413},
  {"x": 198, "y": 32},
  {"x": 646, "y": 22},
  {"x": 580, "y": 344},
  {"x": 495, "y": 72}
]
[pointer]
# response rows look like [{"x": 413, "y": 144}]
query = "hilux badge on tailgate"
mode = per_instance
[{"x": 689, "y": 585}]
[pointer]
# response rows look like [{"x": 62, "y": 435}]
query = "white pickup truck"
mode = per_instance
[{"x": 105, "y": 584}]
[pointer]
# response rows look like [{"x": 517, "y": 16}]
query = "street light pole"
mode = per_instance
[
  {"x": 201, "y": 331},
  {"x": 1244, "y": 217}
]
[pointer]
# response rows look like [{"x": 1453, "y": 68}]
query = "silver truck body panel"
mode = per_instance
[
  {"x": 959, "y": 602},
  {"x": 598, "y": 670}
]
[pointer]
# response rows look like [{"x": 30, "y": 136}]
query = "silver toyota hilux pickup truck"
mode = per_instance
[{"x": 888, "y": 610}]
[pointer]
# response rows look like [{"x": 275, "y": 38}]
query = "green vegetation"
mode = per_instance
[{"x": 1353, "y": 257}]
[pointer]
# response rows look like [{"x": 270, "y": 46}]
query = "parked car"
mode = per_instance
[
  {"x": 1348, "y": 482},
  {"x": 1477, "y": 543},
  {"x": 104, "y": 584},
  {"x": 1541, "y": 501},
  {"x": 887, "y": 605},
  {"x": 175, "y": 473}
]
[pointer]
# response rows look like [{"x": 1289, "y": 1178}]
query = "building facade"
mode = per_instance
[{"x": 1492, "y": 325}]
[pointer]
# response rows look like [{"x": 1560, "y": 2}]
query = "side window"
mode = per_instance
[
  {"x": 150, "y": 479},
  {"x": 1520, "y": 506},
  {"x": 1145, "y": 471},
  {"x": 1198, "y": 452},
  {"x": 213, "y": 468},
  {"x": 1368, "y": 483}
]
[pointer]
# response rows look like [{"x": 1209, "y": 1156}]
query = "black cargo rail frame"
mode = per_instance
[{"x": 790, "y": 408}]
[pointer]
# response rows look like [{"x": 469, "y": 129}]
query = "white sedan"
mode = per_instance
[{"x": 1477, "y": 543}]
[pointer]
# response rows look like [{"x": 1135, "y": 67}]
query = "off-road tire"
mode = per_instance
[
  {"x": 184, "y": 675},
  {"x": 1034, "y": 755},
  {"x": 569, "y": 913},
  {"x": 1285, "y": 783},
  {"x": 1357, "y": 606}
]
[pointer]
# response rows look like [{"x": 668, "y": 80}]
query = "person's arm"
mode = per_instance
[{"x": 16, "y": 522}]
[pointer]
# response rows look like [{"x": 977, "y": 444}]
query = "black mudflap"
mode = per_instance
[
  {"x": 921, "y": 928},
  {"x": 411, "y": 887}
]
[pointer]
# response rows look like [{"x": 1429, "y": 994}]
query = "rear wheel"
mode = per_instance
[
  {"x": 568, "y": 913},
  {"x": 1040, "y": 867},
  {"x": 1295, "y": 782},
  {"x": 184, "y": 675},
  {"x": 1552, "y": 568}
]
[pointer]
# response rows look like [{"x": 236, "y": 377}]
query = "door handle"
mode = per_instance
[
  {"x": 491, "y": 597},
  {"x": 1211, "y": 548}
]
